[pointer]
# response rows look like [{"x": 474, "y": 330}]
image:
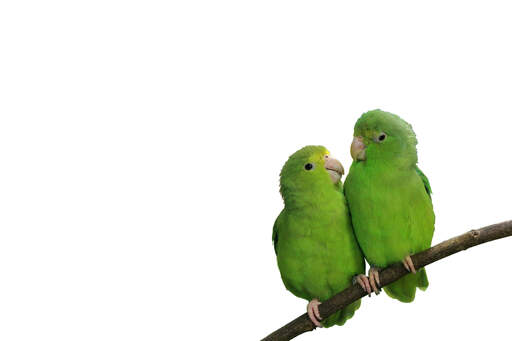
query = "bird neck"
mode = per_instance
[{"x": 317, "y": 198}]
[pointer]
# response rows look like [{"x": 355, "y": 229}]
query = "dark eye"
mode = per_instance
[
  {"x": 382, "y": 137},
  {"x": 308, "y": 166}
]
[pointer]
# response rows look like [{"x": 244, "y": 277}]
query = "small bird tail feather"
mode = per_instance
[
  {"x": 339, "y": 318},
  {"x": 404, "y": 289}
]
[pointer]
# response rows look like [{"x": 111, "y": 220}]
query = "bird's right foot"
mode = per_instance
[
  {"x": 408, "y": 264},
  {"x": 363, "y": 282},
  {"x": 313, "y": 312}
]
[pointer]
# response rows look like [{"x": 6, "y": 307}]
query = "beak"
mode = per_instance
[
  {"x": 334, "y": 168},
  {"x": 358, "y": 149}
]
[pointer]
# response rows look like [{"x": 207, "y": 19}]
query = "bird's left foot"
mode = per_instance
[{"x": 408, "y": 264}]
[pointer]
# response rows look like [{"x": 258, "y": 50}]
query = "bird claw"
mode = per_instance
[
  {"x": 313, "y": 312},
  {"x": 363, "y": 282},
  {"x": 408, "y": 264},
  {"x": 373, "y": 275}
]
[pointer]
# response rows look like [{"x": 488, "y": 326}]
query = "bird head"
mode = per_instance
[
  {"x": 382, "y": 136},
  {"x": 308, "y": 170}
]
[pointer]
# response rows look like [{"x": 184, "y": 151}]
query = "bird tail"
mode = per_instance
[
  {"x": 404, "y": 289},
  {"x": 340, "y": 317}
]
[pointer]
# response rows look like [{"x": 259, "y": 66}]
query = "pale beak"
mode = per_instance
[
  {"x": 358, "y": 149},
  {"x": 334, "y": 168}
]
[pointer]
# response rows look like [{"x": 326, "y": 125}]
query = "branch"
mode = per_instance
[{"x": 394, "y": 272}]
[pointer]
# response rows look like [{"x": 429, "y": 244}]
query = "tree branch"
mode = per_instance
[{"x": 394, "y": 272}]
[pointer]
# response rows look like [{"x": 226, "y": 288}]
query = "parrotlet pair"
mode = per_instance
[{"x": 383, "y": 213}]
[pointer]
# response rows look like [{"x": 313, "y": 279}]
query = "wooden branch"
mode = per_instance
[{"x": 394, "y": 272}]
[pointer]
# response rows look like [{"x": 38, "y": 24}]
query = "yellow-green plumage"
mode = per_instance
[
  {"x": 389, "y": 199},
  {"x": 316, "y": 249}
]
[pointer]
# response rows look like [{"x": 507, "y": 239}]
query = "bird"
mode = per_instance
[
  {"x": 389, "y": 199},
  {"x": 316, "y": 249}
]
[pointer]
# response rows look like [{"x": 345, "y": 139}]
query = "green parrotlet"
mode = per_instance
[
  {"x": 389, "y": 200},
  {"x": 317, "y": 252}
]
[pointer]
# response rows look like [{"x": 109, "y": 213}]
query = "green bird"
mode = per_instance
[
  {"x": 317, "y": 252},
  {"x": 389, "y": 200}
]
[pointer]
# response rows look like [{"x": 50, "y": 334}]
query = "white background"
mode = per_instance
[{"x": 141, "y": 142}]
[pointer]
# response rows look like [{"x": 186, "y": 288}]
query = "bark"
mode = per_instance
[{"x": 394, "y": 272}]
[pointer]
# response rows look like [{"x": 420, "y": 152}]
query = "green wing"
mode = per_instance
[
  {"x": 426, "y": 183},
  {"x": 275, "y": 231}
]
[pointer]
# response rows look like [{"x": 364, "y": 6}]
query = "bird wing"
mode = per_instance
[
  {"x": 426, "y": 183},
  {"x": 275, "y": 231}
]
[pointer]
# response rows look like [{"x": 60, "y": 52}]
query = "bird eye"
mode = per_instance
[
  {"x": 309, "y": 166},
  {"x": 382, "y": 137}
]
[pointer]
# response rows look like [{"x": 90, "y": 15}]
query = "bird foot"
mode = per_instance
[
  {"x": 313, "y": 312},
  {"x": 363, "y": 282},
  {"x": 408, "y": 264},
  {"x": 373, "y": 275}
]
